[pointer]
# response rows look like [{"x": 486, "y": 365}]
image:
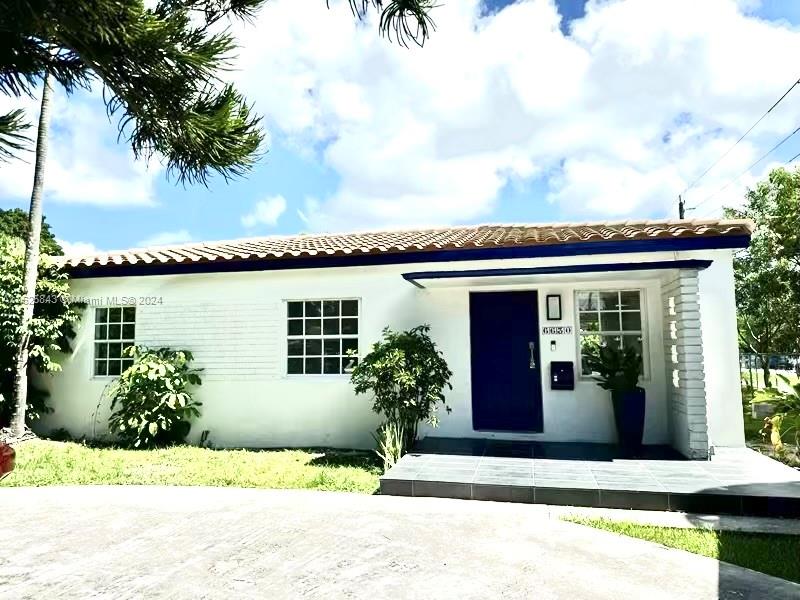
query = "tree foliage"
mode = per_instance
[
  {"x": 52, "y": 326},
  {"x": 400, "y": 20},
  {"x": 152, "y": 401},
  {"x": 160, "y": 66},
  {"x": 768, "y": 272},
  {"x": 14, "y": 223},
  {"x": 407, "y": 375},
  {"x": 12, "y": 134}
]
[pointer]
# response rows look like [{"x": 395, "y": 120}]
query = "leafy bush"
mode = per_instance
[
  {"x": 54, "y": 318},
  {"x": 616, "y": 369},
  {"x": 406, "y": 375},
  {"x": 151, "y": 402}
]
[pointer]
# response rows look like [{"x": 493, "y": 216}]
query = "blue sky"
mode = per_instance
[{"x": 577, "y": 130}]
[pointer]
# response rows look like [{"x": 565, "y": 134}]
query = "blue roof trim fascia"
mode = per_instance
[
  {"x": 422, "y": 256},
  {"x": 557, "y": 270}
]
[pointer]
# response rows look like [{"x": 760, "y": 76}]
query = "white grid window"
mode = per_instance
[
  {"x": 114, "y": 331},
  {"x": 322, "y": 334},
  {"x": 609, "y": 317}
]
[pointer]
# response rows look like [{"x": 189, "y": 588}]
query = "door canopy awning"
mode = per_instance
[{"x": 515, "y": 275}]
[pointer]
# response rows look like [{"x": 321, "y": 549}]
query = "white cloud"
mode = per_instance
[
  {"x": 265, "y": 212},
  {"x": 77, "y": 248},
  {"x": 85, "y": 163},
  {"x": 617, "y": 118},
  {"x": 166, "y": 238}
]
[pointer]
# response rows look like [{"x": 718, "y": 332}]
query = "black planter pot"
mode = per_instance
[{"x": 629, "y": 418}]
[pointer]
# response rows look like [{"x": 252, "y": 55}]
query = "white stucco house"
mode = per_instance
[{"x": 270, "y": 321}]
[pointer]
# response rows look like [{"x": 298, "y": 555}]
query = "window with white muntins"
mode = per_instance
[
  {"x": 609, "y": 317},
  {"x": 322, "y": 337},
  {"x": 114, "y": 332}
]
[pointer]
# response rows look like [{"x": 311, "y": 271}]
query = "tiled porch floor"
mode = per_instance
[{"x": 736, "y": 481}]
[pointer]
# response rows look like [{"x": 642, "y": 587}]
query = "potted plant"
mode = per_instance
[{"x": 618, "y": 370}]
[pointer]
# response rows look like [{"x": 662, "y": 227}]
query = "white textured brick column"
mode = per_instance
[{"x": 683, "y": 354}]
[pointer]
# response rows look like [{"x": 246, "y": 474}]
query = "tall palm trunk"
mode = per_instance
[{"x": 31, "y": 264}]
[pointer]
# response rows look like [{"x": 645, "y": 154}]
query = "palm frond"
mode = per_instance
[
  {"x": 12, "y": 138},
  {"x": 402, "y": 21}
]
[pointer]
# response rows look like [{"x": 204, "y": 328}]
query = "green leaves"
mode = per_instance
[
  {"x": 12, "y": 136},
  {"x": 151, "y": 401},
  {"x": 402, "y": 21},
  {"x": 407, "y": 375},
  {"x": 161, "y": 68},
  {"x": 51, "y": 329},
  {"x": 618, "y": 369},
  {"x": 767, "y": 274}
]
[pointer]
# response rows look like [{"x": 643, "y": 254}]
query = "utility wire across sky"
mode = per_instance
[
  {"x": 747, "y": 170},
  {"x": 744, "y": 135}
]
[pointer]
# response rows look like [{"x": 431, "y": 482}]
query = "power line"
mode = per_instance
[
  {"x": 748, "y": 169},
  {"x": 744, "y": 135},
  {"x": 711, "y": 212},
  {"x": 791, "y": 160}
]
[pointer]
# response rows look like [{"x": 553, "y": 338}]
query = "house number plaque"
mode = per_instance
[{"x": 557, "y": 330}]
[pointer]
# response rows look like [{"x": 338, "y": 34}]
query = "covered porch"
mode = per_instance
[
  {"x": 735, "y": 481},
  {"x": 510, "y": 350}
]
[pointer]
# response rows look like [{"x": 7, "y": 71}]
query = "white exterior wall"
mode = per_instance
[
  {"x": 683, "y": 352},
  {"x": 235, "y": 324},
  {"x": 721, "y": 351}
]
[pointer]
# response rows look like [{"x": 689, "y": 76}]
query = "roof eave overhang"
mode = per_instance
[
  {"x": 516, "y": 274},
  {"x": 420, "y": 256}
]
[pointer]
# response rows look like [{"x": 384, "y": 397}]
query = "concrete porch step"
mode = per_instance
[{"x": 740, "y": 482}]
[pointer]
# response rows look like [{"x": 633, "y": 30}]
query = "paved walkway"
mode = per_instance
[
  {"x": 130, "y": 542},
  {"x": 737, "y": 481}
]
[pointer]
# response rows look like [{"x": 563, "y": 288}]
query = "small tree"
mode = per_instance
[
  {"x": 51, "y": 328},
  {"x": 768, "y": 271},
  {"x": 406, "y": 375},
  {"x": 151, "y": 401}
]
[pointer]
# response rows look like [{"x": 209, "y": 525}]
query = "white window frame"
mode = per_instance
[
  {"x": 643, "y": 332},
  {"x": 122, "y": 340},
  {"x": 322, "y": 336}
]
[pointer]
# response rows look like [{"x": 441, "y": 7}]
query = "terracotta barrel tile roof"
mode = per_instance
[{"x": 385, "y": 242}]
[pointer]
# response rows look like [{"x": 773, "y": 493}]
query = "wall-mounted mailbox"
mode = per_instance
[{"x": 562, "y": 375}]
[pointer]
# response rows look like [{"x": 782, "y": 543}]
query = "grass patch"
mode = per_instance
[
  {"x": 41, "y": 463},
  {"x": 773, "y": 554}
]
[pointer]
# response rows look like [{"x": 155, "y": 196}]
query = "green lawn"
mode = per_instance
[
  {"x": 42, "y": 463},
  {"x": 774, "y": 554}
]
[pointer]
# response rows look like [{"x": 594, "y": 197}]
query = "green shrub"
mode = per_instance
[
  {"x": 54, "y": 318},
  {"x": 407, "y": 375},
  {"x": 151, "y": 402}
]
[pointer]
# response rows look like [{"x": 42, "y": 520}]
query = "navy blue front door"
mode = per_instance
[{"x": 506, "y": 389}]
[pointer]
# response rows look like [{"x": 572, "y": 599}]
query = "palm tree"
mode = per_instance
[
  {"x": 160, "y": 70},
  {"x": 31, "y": 263}
]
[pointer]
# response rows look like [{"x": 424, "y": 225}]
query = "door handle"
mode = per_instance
[{"x": 532, "y": 350}]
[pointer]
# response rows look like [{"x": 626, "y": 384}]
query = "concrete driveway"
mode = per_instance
[{"x": 140, "y": 542}]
